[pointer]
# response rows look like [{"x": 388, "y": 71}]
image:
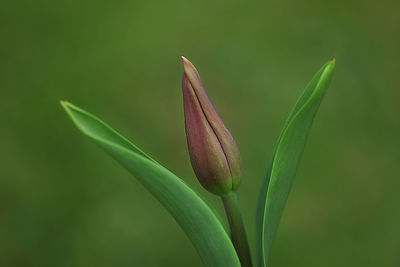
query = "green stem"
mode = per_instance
[{"x": 238, "y": 233}]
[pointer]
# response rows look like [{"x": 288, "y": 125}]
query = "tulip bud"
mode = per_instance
[{"x": 214, "y": 154}]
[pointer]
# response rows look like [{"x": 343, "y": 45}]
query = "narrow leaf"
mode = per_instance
[
  {"x": 194, "y": 216},
  {"x": 286, "y": 158}
]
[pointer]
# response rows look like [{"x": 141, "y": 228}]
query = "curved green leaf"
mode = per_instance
[
  {"x": 287, "y": 155},
  {"x": 190, "y": 211}
]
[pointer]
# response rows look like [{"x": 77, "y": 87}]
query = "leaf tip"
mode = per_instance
[
  {"x": 68, "y": 107},
  {"x": 330, "y": 66},
  {"x": 332, "y": 62},
  {"x": 64, "y": 104}
]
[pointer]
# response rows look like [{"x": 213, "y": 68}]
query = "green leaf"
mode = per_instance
[
  {"x": 285, "y": 161},
  {"x": 194, "y": 216}
]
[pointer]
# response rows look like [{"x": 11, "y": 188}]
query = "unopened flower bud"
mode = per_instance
[{"x": 214, "y": 154}]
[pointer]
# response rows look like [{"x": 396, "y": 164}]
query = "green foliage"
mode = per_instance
[
  {"x": 197, "y": 220},
  {"x": 287, "y": 155},
  {"x": 190, "y": 211}
]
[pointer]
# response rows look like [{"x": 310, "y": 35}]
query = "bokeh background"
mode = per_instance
[{"x": 63, "y": 202}]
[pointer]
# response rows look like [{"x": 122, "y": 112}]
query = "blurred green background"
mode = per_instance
[{"x": 63, "y": 202}]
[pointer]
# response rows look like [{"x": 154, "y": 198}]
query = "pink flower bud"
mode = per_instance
[{"x": 214, "y": 154}]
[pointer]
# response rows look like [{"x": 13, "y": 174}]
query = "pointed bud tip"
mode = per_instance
[
  {"x": 191, "y": 72},
  {"x": 187, "y": 63},
  {"x": 333, "y": 59}
]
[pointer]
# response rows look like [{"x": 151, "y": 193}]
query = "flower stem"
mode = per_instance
[{"x": 238, "y": 232}]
